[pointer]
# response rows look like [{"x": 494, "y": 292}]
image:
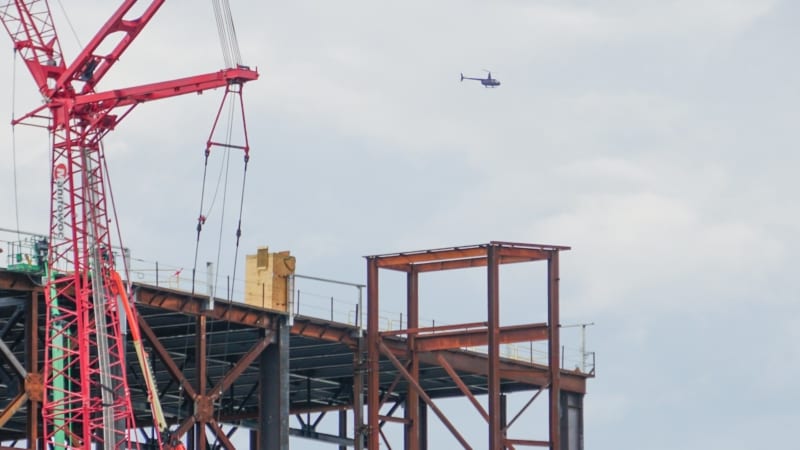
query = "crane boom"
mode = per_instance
[
  {"x": 30, "y": 25},
  {"x": 87, "y": 403},
  {"x": 90, "y": 66}
]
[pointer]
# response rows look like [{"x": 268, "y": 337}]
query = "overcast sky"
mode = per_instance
[{"x": 657, "y": 138}]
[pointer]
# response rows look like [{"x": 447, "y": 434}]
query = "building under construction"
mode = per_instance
[
  {"x": 260, "y": 370},
  {"x": 96, "y": 358}
]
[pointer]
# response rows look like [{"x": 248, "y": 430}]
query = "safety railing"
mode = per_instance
[{"x": 333, "y": 300}]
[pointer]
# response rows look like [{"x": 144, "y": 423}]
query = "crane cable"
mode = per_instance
[
  {"x": 14, "y": 138},
  {"x": 223, "y": 180},
  {"x": 203, "y": 216},
  {"x": 227, "y": 33},
  {"x": 69, "y": 22},
  {"x": 232, "y": 56},
  {"x": 236, "y": 249}
]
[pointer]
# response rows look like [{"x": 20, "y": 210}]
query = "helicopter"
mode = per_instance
[{"x": 488, "y": 82}]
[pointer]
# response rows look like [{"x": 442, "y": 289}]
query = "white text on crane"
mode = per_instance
[{"x": 60, "y": 175}]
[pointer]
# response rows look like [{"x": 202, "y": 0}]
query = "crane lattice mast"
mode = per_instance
[{"x": 87, "y": 402}]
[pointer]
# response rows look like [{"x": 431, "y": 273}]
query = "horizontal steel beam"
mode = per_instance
[
  {"x": 480, "y": 337},
  {"x": 464, "y": 257},
  {"x": 17, "y": 281},
  {"x": 307, "y": 328},
  {"x": 195, "y": 305},
  {"x": 322, "y": 437}
]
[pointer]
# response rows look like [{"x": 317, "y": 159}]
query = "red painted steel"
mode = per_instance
[{"x": 84, "y": 347}]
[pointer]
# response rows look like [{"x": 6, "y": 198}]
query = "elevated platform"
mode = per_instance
[{"x": 238, "y": 366}]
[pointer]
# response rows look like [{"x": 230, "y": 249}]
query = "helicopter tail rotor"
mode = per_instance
[{"x": 462, "y": 76}]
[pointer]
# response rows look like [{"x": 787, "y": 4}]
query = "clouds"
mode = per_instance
[{"x": 657, "y": 138}]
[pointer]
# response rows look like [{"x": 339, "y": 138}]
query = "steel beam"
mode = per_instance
[
  {"x": 462, "y": 387},
  {"x": 528, "y": 442},
  {"x": 358, "y": 395},
  {"x": 518, "y": 371},
  {"x": 221, "y": 436},
  {"x": 554, "y": 350},
  {"x": 307, "y": 328},
  {"x": 423, "y": 426},
  {"x": 201, "y": 403},
  {"x": 32, "y": 364},
  {"x": 343, "y": 427},
  {"x": 480, "y": 337},
  {"x": 12, "y": 408},
  {"x": 493, "y": 307},
  {"x": 506, "y": 426},
  {"x": 10, "y": 280},
  {"x": 321, "y": 437},
  {"x": 393, "y": 261},
  {"x": 411, "y": 409},
  {"x": 421, "y": 392},
  {"x": 373, "y": 356},
  {"x": 246, "y": 360},
  {"x": 195, "y": 305},
  {"x": 169, "y": 363},
  {"x": 274, "y": 391},
  {"x": 12, "y": 360}
]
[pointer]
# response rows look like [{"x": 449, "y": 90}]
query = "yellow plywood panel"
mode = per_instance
[{"x": 266, "y": 279}]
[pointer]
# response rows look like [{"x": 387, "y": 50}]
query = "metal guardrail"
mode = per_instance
[{"x": 311, "y": 296}]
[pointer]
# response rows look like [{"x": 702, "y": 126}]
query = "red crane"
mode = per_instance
[{"x": 87, "y": 402}]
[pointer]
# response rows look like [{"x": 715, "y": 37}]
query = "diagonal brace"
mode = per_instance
[{"x": 421, "y": 392}]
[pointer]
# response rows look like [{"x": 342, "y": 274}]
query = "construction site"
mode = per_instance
[{"x": 101, "y": 351}]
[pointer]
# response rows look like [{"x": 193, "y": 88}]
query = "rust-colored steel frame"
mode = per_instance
[
  {"x": 422, "y": 343},
  {"x": 405, "y": 358},
  {"x": 28, "y": 371},
  {"x": 205, "y": 414}
]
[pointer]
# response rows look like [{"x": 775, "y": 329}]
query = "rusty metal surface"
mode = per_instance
[
  {"x": 441, "y": 348},
  {"x": 325, "y": 369}
]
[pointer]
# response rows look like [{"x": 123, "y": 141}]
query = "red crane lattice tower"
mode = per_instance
[{"x": 86, "y": 403}]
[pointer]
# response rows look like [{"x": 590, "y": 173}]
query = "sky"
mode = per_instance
[{"x": 658, "y": 139}]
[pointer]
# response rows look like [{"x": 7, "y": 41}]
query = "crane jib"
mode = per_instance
[{"x": 84, "y": 347}]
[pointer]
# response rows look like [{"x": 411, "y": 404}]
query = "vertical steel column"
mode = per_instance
[
  {"x": 274, "y": 385},
  {"x": 495, "y": 433},
  {"x": 423, "y": 426},
  {"x": 358, "y": 394},
  {"x": 343, "y": 427},
  {"x": 254, "y": 439},
  {"x": 32, "y": 363},
  {"x": 373, "y": 357},
  {"x": 554, "y": 349},
  {"x": 572, "y": 421},
  {"x": 504, "y": 416},
  {"x": 412, "y": 398},
  {"x": 201, "y": 363}
]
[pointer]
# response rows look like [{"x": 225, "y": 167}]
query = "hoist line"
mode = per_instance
[
  {"x": 228, "y": 139},
  {"x": 200, "y": 218},
  {"x": 221, "y": 221},
  {"x": 233, "y": 41},
  {"x": 228, "y": 134},
  {"x": 181, "y": 400},
  {"x": 227, "y": 33},
  {"x": 14, "y": 138},
  {"x": 239, "y": 227},
  {"x": 69, "y": 22},
  {"x": 223, "y": 176},
  {"x": 235, "y": 261},
  {"x": 107, "y": 178},
  {"x": 223, "y": 41}
]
